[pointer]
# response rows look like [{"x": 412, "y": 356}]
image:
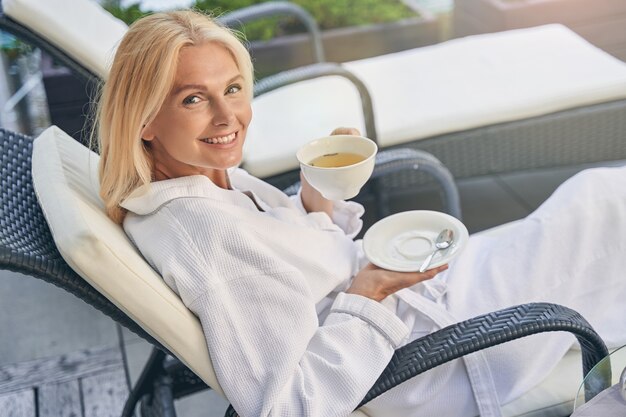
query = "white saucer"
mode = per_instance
[{"x": 402, "y": 241}]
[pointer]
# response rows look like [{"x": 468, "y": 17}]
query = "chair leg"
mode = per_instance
[
  {"x": 230, "y": 412},
  {"x": 146, "y": 382},
  {"x": 381, "y": 198},
  {"x": 161, "y": 402}
]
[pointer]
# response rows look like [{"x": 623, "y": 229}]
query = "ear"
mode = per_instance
[{"x": 148, "y": 131}]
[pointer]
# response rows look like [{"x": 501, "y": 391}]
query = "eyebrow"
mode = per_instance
[{"x": 179, "y": 88}]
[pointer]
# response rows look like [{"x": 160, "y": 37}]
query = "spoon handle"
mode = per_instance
[{"x": 427, "y": 261}]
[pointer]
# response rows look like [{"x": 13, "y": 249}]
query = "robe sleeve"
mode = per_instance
[
  {"x": 270, "y": 354},
  {"x": 346, "y": 214}
]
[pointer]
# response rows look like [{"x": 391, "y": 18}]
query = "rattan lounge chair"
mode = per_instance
[
  {"x": 494, "y": 103},
  {"x": 132, "y": 294},
  {"x": 404, "y": 157}
]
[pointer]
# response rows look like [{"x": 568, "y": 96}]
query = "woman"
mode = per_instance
[{"x": 296, "y": 321}]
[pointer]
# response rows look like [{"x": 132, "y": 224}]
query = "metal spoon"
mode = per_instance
[{"x": 443, "y": 241}]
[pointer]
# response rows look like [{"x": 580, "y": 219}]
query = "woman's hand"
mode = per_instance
[
  {"x": 377, "y": 283},
  {"x": 312, "y": 200},
  {"x": 346, "y": 131}
]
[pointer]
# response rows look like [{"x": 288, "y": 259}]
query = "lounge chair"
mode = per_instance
[
  {"x": 495, "y": 103},
  {"x": 32, "y": 12},
  {"x": 86, "y": 254}
]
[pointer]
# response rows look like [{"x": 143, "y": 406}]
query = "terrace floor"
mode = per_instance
[{"x": 61, "y": 357}]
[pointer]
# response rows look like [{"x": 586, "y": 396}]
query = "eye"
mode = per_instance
[
  {"x": 235, "y": 88},
  {"x": 188, "y": 101}
]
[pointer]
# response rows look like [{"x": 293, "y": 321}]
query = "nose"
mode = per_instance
[{"x": 223, "y": 113}]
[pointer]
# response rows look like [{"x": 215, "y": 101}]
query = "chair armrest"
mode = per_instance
[
  {"x": 309, "y": 72},
  {"x": 393, "y": 160},
  {"x": 275, "y": 8},
  {"x": 492, "y": 329},
  {"x": 488, "y": 330}
]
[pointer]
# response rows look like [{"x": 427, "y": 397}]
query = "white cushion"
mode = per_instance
[
  {"x": 82, "y": 29},
  {"x": 65, "y": 178},
  {"x": 452, "y": 86}
]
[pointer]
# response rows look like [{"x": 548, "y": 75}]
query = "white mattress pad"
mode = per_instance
[{"x": 452, "y": 86}]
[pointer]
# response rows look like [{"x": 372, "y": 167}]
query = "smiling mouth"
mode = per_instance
[{"x": 220, "y": 140}]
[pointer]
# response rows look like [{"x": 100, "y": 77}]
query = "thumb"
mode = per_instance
[{"x": 346, "y": 131}]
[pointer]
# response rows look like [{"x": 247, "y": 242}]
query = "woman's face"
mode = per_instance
[{"x": 202, "y": 125}]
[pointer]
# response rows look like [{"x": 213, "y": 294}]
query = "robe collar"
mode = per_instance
[{"x": 149, "y": 198}]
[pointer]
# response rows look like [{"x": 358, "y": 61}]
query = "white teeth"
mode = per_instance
[{"x": 221, "y": 139}]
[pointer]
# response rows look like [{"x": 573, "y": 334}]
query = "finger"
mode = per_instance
[
  {"x": 435, "y": 271},
  {"x": 431, "y": 273},
  {"x": 415, "y": 277},
  {"x": 346, "y": 131},
  {"x": 371, "y": 266},
  {"x": 303, "y": 182}
]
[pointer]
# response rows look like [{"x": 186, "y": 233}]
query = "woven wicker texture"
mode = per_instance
[
  {"x": 485, "y": 331},
  {"x": 26, "y": 245},
  {"x": 581, "y": 135}
]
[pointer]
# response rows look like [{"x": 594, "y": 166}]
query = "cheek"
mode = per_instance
[
  {"x": 180, "y": 127},
  {"x": 246, "y": 114},
  {"x": 163, "y": 123}
]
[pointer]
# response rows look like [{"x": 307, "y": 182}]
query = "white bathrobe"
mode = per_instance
[{"x": 286, "y": 341}]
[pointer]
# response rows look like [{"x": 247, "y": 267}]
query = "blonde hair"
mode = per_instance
[{"x": 141, "y": 77}]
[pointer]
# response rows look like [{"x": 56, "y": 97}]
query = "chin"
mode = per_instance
[{"x": 234, "y": 163}]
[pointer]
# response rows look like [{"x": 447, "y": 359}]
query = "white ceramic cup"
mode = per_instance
[{"x": 340, "y": 183}]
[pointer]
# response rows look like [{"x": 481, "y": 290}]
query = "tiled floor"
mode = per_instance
[{"x": 38, "y": 320}]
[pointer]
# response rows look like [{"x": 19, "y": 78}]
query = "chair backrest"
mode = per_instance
[
  {"x": 26, "y": 245},
  {"x": 85, "y": 36},
  {"x": 65, "y": 182}
]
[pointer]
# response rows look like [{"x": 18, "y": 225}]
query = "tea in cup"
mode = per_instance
[{"x": 338, "y": 166}]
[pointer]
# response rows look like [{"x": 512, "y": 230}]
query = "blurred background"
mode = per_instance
[{"x": 35, "y": 92}]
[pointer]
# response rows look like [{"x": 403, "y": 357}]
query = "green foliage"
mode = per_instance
[
  {"x": 328, "y": 14},
  {"x": 126, "y": 14},
  {"x": 332, "y": 14},
  {"x": 13, "y": 47},
  {"x": 259, "y": 29}
]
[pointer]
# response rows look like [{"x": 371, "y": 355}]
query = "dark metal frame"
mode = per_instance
[{"x": 278, "y": 8}]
